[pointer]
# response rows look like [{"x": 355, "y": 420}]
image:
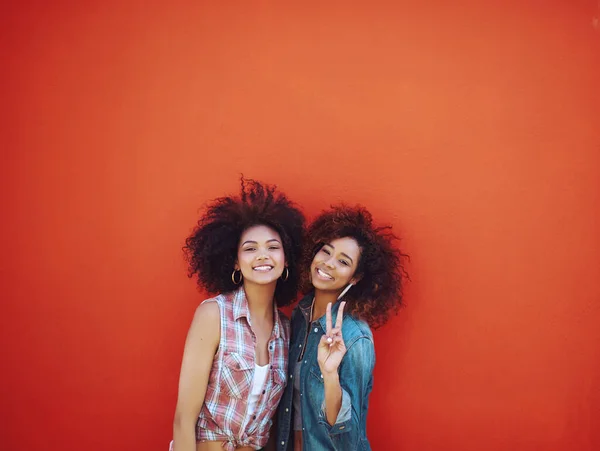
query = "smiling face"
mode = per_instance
[
  {"x": 334, "y": 265},
  {"x": 260, "y": 255}
]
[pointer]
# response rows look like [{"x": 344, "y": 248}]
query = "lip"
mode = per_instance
[
  {"x": 263, "y": 268},
  {"x": 323, "y": 275}
]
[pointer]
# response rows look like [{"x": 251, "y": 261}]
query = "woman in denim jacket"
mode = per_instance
[{"x": 331, "y": 359}]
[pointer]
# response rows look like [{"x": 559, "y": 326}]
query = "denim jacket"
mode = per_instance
[{"x": 356, "y": 380}]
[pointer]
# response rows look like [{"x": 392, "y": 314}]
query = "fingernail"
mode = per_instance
[{"x": 329, "y": 340}]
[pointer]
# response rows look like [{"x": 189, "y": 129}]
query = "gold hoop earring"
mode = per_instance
[
  {"x": 233, "y": 277},
  {"x": 287, "y": 274}
]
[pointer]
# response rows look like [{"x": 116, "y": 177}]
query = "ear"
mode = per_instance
[
  {"x": 236, "y": 266},
  {"x": 355, "y": 280}
]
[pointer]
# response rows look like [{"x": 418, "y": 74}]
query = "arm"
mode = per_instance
[
  {"x": 330, "y": 353},
  {"x": 200, "y": 348},
  {"x": 347, "y": 378},
  {"x": 333, "y": 397},
  {"x": 354, "y": 382}
]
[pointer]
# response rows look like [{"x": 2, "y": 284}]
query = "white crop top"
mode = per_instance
[{"x": 258, "y": 382}]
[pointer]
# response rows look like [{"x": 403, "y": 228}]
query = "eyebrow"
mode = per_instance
[
  {"x": 343, "y": 253},
  {"x": 256, "y": 242},
  {"x": 349, "y": 258}
]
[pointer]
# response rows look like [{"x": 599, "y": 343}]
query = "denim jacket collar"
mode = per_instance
[{"x": 305, "y": 307}]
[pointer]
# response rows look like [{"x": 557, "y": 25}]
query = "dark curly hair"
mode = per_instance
[
  {"x": 380, "y": 266},
  {"x": 211, "y": 250}
]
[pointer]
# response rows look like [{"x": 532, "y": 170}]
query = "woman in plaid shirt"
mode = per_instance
[{"x": 235, "y": 358}]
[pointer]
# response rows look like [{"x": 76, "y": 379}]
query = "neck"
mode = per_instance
[
  {"x": 322, "y": 298},
  {"x": 260, "y": 300}
]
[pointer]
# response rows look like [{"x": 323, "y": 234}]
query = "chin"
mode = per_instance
[
  {"x": 323, "y": 286},
  {"x": 265, "y": 280}
]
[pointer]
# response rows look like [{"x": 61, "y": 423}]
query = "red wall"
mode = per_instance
[{"x": 473, "y": 128}]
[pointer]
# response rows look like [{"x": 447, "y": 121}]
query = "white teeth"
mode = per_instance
[
  {"x": 324, "y": 274},
  {"x": 263, "y": 268}
]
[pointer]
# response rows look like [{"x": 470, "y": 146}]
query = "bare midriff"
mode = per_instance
[
  {"x": 218, "y": 446},
  {"x": 297, "y": 440}
]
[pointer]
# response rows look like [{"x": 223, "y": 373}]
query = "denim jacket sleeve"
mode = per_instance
[{"x": 356, "y": 380}]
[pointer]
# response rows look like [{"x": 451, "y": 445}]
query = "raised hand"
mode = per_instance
[{"x": 332, "y": 347}]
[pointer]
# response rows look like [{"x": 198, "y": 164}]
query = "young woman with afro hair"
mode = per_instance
[
  {"x": 332, "y": 356},
  {"x": 245, "y": 250}
]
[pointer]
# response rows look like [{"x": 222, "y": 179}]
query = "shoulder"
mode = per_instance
[
  {"x": 208, "y": 311},
  {"x": 359, "y": 360},
  {"x": 206, "y": 324},
  {"x": 220, "y": 301},
  {"x": 303, "y": 307},
  {"x": 355, "y": 330},
  {"x": 284, "y": 323},
  {"x": 283, "y": 318},
  {"x": 211, "y": 309}
]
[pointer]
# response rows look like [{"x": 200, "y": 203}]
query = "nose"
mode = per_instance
[{"x": 329, "y": 262}]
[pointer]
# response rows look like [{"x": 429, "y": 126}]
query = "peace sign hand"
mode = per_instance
[{"x": 332, "y": 348}]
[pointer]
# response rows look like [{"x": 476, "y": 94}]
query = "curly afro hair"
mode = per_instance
[
  {"x": 211, "y": 249},
  {"x": 380, "y": 266}
]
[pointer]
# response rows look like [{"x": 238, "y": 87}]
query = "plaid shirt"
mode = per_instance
[{"x": 223, "y": 414}]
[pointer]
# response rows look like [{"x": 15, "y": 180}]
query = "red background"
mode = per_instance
[{"x": 472, "y": 126}]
